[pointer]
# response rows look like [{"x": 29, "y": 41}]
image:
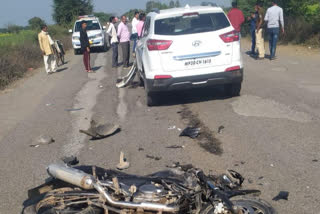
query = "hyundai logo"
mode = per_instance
[{"x": 196, "y": 43}]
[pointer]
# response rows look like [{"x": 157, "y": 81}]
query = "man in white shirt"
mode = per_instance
[
  {"x": 114, "y": 41},
  {"x": 274, "y": 17},
  {"x": 134, "y": 34}
]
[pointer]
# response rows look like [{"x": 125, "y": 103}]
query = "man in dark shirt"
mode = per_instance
[
  {"x": 85, "y": 46},
  {"x": 253, "y": 22}
]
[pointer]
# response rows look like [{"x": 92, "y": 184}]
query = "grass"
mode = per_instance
[{"x": 20, "y": 51}]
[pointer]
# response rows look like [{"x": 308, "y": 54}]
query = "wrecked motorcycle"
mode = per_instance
[{"x": 180, "y": 189}]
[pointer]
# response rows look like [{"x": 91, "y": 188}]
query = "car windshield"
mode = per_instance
[
  {"x": 91, "y": 25},
  {"x": 198, "y": 23}
]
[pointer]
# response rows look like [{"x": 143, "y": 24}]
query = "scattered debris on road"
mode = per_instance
[
  {"x": 206, "y": 139},
  {"x": 175, "y": 147},
  {"x": 74, "y": 109},
  {"x": 220, "y": 129},
  {"x": 71, "y": 161},
  {"x": 140, "y": 149},
  {"x": 153, "y": 157},
  {"x": 192, "y": 132},
  {"x": 42, "y": 140},
  {"x": 283, "y": 195},
  {"x": 101, "y": 131},
  {"x": 123, "y": 163},
  {"x": 172, "y": 127},
  {"x": 124, "y": 81},
  {"x": 315, "y": 160},
  {"x": 100, "y": 86}
]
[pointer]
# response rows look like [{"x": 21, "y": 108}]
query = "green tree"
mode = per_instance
[
  {"x": 177, "y": 4},
  {"x": 65, "y": 11},
  {"x": 103, "y": 17},
  {"x": 171, "y": 4},
  {"x": 35, "y": 23},
  {"x": 14, "y": 28}
]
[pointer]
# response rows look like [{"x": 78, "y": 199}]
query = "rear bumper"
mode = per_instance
[{"x": 198, "y": 81}]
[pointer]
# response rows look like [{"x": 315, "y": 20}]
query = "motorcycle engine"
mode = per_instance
[{"x": 151, "y": 193}]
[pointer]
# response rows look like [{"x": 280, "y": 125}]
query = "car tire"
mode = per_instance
[
  {"x": 152, "y": 100},
  {"x": 233, "y": 90}
]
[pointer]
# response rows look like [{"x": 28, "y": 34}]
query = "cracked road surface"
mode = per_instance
[{"x": 271, "y": 132}]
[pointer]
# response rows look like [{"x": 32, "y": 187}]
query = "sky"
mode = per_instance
[{"x": 20, "y": 11}]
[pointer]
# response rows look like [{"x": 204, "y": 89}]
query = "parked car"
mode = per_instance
[
  {"x": 96, "y": 33},
  {"x": 189, "y": 47}
]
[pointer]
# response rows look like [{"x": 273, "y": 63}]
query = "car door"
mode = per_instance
[{"x": 142, "y": 43}]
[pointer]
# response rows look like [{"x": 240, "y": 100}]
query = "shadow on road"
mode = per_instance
[
  {"x": 62, "y": 69},
  {"x": 192, "y": 96}
]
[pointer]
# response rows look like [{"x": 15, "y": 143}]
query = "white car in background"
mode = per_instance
[
  {"x": 96, "y": 33},
  {"x": 189, "y": 47}
]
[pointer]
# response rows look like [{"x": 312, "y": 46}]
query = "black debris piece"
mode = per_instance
[
  {"x": 236, "y": 164},
  {"x": 179, "y": 112},
  {"x": 175, "y": 147},
  {"x": 220, "y": 129},
  {"x": 101, "y": 131},
  {"x": 191, "y": 132},
  {"x": 140, "y": 149},
  {"x": 261, "y": 177},
  {"x": 153, "y": 157},
  {"x": 72, "y": 160},
  {"x": 237, "y": 176},
  {"x": 250, "y": 181},
  {"x": 315, "y": 160},
  {"x": 242, "y": 162},
  {"x": 283, "y": 195}
]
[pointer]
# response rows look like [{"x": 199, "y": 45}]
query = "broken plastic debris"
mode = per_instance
[
  {"x": 315, "y": 160},
  {"x": 175, "y": 147},
  {"x": 42, "y": 140},
  {"x": 74, "y": 109},
  {"x": 72, "y": 160},
  {"x": 220, "y": 129},
  {"x": 191, "y": 132},
  {"x": 101, "y": 131},
  {"x": 140, "y": 149},
  {"x": 153, "y": 157},
  {"x": 171, "y": 127},
  {"x": 123, "y": 164},
  {"x": 128, "y": 78},
  {"x": 283, "y": 195}
]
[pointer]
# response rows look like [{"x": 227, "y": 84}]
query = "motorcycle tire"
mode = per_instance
[{"x": 247, "y": 206}]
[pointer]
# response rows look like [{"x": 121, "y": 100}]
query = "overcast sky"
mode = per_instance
[{"x": 20, "y": 11}]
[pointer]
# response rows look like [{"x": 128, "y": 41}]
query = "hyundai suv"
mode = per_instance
[
  {"x": 96, "y": 33},
  {"x": 189, "y": 47}
]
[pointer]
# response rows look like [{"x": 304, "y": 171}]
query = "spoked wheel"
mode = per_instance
[
  {"x": 246, "y": 206},
  {"x": 64, "y": 201}
]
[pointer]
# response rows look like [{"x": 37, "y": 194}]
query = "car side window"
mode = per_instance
[{"x": 146, "y": 27}]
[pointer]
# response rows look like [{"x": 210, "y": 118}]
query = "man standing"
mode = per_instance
[
  {"x": 45, "y": 43},
  {"x": 114, "y": 41},
  {"x": 273, "y": 16},
  {"x": 134, "y": 35},
  {"x": 236, "y": 17},
  {"x": 124, "y": 36},
  {"x": 259, "y": 32},
  {"x": 253, "y": 23},
  {"x": 142, "y": 18},
  {"x": 85, "y": 46}
]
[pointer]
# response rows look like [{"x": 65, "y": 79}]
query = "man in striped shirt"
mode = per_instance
[{"x": 124, "y": 37}]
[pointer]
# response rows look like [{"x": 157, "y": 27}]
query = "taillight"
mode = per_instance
[
  {"x": 230, "y": 37},
  {"x": 234, "y": 68},
  {"x": 158, "y": 45},
  {"x": 160, "y": 77}
]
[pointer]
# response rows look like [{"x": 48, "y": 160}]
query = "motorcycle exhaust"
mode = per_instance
[
  {"x": 71, "y": 175},
  {"x": 86, "y": 181}
]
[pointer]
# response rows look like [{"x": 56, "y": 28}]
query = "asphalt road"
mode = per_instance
[{"x": 271, "y": 132}]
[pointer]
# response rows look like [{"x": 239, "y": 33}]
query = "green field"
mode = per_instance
[{"x": 11, "y": 40}]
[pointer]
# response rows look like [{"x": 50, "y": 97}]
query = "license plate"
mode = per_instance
[{"x": 197, "y": 62}]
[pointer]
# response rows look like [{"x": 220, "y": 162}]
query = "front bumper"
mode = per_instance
[{"x": 198, "y": 81}]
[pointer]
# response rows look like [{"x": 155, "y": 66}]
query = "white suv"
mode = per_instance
[
  {"x": 189, "y": 47},
  {"x": 96, "y": 33}
]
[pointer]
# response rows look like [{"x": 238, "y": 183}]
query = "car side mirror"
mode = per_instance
[{"x": 70, "y": 31}]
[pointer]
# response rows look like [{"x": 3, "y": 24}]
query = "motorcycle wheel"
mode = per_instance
[{"x": 246, "y": 206}]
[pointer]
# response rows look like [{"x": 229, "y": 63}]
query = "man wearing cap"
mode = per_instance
[
  {"x": 45, "y": 43},
  {"x": 274, "y": 17}
]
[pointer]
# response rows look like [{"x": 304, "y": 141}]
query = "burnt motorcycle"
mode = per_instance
[{"x": 180, "y": 189}]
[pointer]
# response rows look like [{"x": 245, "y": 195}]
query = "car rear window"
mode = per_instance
[
  {"x": 91, "y": 25},
  {"x": 200, "y": 23}
]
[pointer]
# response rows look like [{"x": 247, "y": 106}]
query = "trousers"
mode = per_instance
[
  {"x": 86, "y": 60},
  {"x": 125, "y": 46},
  {"x": 50, "y": 63}
]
